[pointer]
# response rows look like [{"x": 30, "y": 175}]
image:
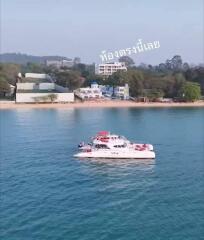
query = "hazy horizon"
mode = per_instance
[{"x": 84, "y": 29}]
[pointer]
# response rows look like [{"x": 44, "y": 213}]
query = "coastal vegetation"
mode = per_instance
[
  {"x": 191, "y": 91},
  {"x": 71, "y": 79},
  {"x": 172, "y": 79},
  {"x": 4, "y": 86}
]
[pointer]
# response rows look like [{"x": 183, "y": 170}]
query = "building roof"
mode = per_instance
[
  {"x": 37, "y": 91},
  {"x": 35, "y": 80}
]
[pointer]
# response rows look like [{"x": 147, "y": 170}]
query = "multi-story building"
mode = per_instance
[
  {"x": 102, "y": 91},
  {"x": 39, "y": 88},
  {"x": 122, "y": 92},
  {"x": 54, "y": 63},
  {"x": 107, "y": 69},
  {"x": 87, "y": 93},
  {"x": 60, "y": 63},
  {"x": 63, "y": 63}
]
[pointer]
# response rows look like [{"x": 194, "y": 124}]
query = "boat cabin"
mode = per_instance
[
  {"x": 101, "y": 146},
  {"x": 120, "y": 146}
]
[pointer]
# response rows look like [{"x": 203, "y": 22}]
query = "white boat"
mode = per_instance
[{"x": 106, "y": 145}]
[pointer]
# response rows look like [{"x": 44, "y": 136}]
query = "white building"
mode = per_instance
[
  {"x": 107, "y": 69},
  {"x": 42, "y": 92},
  {"x": 34, "y": 89},
  {"x": 36, "y": 75},
  {"x": 55, "y": 63},
  {"x": 93, "y": 92},
  {"x": 122, "y": 92},
  {"x": 60, "y": 63},
  {"x": 67, "y": 63},
  {"x": 63, "y": 63}
]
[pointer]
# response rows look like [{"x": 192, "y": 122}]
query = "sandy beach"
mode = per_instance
[{"x": 93, "y": 104}]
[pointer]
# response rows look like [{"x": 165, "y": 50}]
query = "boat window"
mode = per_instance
[
  {"x": 120, "y": 146},
  {"x": 101, "y": 146}
]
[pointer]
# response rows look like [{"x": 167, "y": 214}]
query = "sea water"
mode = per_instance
[{"x": 48, "y": 194}]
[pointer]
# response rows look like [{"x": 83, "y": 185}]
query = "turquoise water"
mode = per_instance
[{"x": 47, "y": 194}]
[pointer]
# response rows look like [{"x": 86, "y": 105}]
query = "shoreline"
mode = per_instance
[{"x": 94, "y": 104}]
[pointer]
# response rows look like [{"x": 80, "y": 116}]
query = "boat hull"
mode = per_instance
[{"x": 118, "y": 155}]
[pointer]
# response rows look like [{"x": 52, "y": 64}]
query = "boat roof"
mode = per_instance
[
  {"x": 114, "y": 135},
  {"x": 103, "y": 133},
  {"x": 108, "y": 135}
]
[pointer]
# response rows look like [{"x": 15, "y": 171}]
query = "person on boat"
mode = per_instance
[{"x": 81, "y": 144}]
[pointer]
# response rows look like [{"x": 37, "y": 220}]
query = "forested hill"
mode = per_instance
[{"x": 19, "y": 58}]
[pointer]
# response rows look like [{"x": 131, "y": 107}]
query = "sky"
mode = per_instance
[{"x": 85, "y": 28}]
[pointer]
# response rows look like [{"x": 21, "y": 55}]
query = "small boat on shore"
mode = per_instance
[{"x": 107, "y": 145}]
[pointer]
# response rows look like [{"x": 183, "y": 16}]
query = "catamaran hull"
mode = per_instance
[{"x": 118, "y": 155}]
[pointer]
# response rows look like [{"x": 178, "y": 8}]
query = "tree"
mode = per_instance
[
  {"x": 168, "y": 64},
  {"x": 153, "y": 94},
  {"x": 135, "y": 83},
  {"x": 196, "y": 74},
  {"x": 179, "y": 84},
  {"x": 192, "y": 92},
  {"x": 33, "y": 68},
  {"x": 134, "y": 78},
  {"x": 162, "y": 67},
  {"x": 81, "y": 67},
  {"x": 127, "y": 60},
  {"x": 116, "y": 78},
  {"x": 176, "y": 62},
  {"x": 10, "y": 71},
  {"x": 4, "y": 86},
  {"x": 185, "y": 66},
  {"x": 70, "y": 79}
]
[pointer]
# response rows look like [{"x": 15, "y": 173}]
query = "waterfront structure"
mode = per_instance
[
  {"x": 32, "y": 89},
  {"x": 106, "y": 90},
  {"x": 96, "y": 91},
  {"x": 107, "y": 69},
  {"x": 122, "y": 92},
  {"x": 87, "y": 93},
  {"x": 63, "y": 63}
]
